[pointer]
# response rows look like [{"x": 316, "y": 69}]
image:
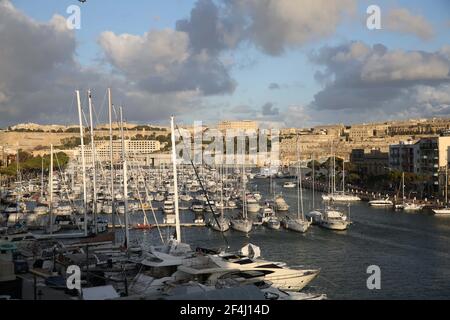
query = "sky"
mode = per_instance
[{"x": 286, "y": 63}]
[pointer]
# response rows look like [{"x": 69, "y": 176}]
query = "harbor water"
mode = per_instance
[{"x": 411, "y": 249}]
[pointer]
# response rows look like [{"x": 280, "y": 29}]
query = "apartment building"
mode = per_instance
[
  {"x": 237, "y": 125},
  {"x": 404, "y": 156},
  {"x": 427, "y": 157},
  {"x": 373, "y": 162},
  {"x": 134, "y": 150}
]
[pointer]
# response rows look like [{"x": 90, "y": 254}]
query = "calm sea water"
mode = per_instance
[{"x": 411, "y": 249}]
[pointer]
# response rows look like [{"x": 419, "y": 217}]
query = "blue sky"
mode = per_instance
[{"x": 253, "y": 68}]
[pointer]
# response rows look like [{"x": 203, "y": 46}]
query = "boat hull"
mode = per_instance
[{"x": 242, "y": 225}]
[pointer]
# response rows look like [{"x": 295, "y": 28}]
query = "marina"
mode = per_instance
[{"x": 212, "y": 158}]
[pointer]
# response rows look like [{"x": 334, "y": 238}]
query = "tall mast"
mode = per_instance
[
  {"x": 175, "y": 180},
  {"x": 83, "y": 161},
  {"x": 334, "y": 172},
  {"x": 51, "y": 188},
  {"x": 446, "y": 185},
  {"x": 94, "y": 171},
  {"x": 125, "y": 180},
  {"x": 42, "y": 178},
  {"x": 244, "y": 199},
  {"x": 403, "y": 186},
  {"x": 299, "y": 184},
  {"x": 343, "y": 175},
  {"x": 113, "y": 212},
  {"x": 313, "y": 181}
]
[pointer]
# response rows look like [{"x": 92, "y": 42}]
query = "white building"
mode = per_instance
[{"x": 135, "y": 150}]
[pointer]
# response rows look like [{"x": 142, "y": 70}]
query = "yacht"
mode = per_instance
[
  {"x": 289, "y": 184},
  {"x": 280, "y": 204},
  {"x": 442, "y": 212},
  {"x": 273, "y": 223},
  {"x": 219, "y": 223},
  {"x": 264, "y": 216},
  {"x": 314, "y": 216},
  {"x": 381, "y": 203},
  {"x": 412, "y": 207},
  {"x": 343, "y": 197},
  {"x": 298, "y": 225},
  {"x": 277, "y": 273},
  {"x": 333, "y": 220},
  {"x": 168, "y": 207},
  {"x": 252, "y": 205},
  {"x": 197, "y": 206},
  {"x": 242, "y": 224}
]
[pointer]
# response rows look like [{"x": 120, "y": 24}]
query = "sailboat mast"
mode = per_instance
[
  {"x": 446, "y": 185},
  {"x": 51, "y": 188},
  {"x": 125, "y": 180},
  {"x": 94, "y": 169},
  {"x": 113, "y": 211},
  {"x": 343, "y": 175},
  {"x": 403, "y": 186},
  {"x": 334, "y": 173},
  {"x": 83, "y": 162},
  {"x": 298, "y": 179},
  {"x": 313, "y": 181},
  {"x": 42, "y": 178},
  {"x": 175, "y": 180},
  {"x": 244, "y": 195},
  {"x": 300, "y": 212}
]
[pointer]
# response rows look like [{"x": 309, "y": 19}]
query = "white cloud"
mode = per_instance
[
  {"x": 154, "y": 52},
  {"x": 276, "y": 25},
  {"x": 401, "y": 65},
  {"x": 402, "y": 20},
  {"x": 382, "y": 82}
]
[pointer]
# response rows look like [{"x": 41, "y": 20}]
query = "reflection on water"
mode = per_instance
[{"x": 412, "y": 250}]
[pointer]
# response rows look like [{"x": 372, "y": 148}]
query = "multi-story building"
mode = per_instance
[
  {"x": 135, "y": 150},
  {"x": 364, "y": 131},
  {"x": 360, "y": 132},
  {"x": 372, "y": 162},
  {"x": 238, "y": 125},
  {"x": 404, "y": 156},
  {"x": 427, "y": 157},
  {"x": 331, "y": 130}
]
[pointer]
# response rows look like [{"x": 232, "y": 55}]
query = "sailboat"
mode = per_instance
[
  {"x": 220, "y": 223},
  {"x": 52, "y": 227},
  {"x": 400, "y": 206},
  {"x": 446, "y": 210},
  {"x": 314, "y": 215},
  {"x": 299, "y": 224},
  {"x": 343, "y": 196},
  {"x": 242, "y": 224},
  {"x": 407, "y": 206}
]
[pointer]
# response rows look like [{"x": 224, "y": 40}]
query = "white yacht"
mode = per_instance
[
  {"x": 333, "y": 220},
  {"x": 168, "y": 207},
  {"x": 252, "y": 205},
  {"x": 289, "y": 184},
  {"x": 277, "y": 273},
  {"x": 219, "y": 223},
  {"x": 280, "y": 204},
  {"x": 314, "y": 216},
  {"x": 381, "y": 203},
  {"x": 273, "y": 223},
  {"x": 242, "y": 224},
  {"x": 298, "y": 225},
  {"x": 442, "y": 212},
  {"x": 197, "y": 206},
  {"x": 264, "y": 216},
  {"x": 343, "y": 197},
  {"x": 412, "y": 207}
]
